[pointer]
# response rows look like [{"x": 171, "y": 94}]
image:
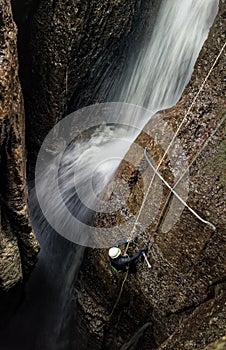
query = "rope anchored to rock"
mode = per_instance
[
  {"x": 176, "y": 194},
  {"x": 130, "y": 238}
]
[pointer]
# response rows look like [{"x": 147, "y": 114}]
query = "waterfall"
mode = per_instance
[
  {"x": 82, "y": 169},
  {"x": 68, "y": 185},
  {"x": 166, "y": 62}
]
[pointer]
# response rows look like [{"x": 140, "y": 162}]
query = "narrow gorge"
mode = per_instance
[{"x": 132, "y": 75}]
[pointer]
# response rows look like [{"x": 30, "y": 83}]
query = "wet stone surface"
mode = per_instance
[
  {"x": 18, "y": 246},
  {"x": 183, "y": 296}
]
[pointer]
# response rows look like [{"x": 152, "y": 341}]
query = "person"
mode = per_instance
[{"x": 119, "y": 262}]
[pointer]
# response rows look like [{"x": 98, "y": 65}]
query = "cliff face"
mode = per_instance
[
  {"x": 62, "y": 54},
  {"x": 183, "y": 296},
  {"x": 18, "y": 246},
  {"x": 67, "y": 50}
]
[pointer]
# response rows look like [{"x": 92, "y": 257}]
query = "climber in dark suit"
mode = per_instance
[{"x": 119, "y": 262}]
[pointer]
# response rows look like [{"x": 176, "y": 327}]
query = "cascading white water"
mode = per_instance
[
  {"x": 165, "y": 64},
  {"x": 160, "y": 74}
]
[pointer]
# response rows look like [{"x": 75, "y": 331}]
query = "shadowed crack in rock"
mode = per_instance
[{"x": 18, "y": 246}]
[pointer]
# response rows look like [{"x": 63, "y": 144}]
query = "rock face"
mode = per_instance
[
  {"x": 217, "y": 345},
  {"x": 64, "y": 60},
  {"x": 61, "y": 51},
  {"x": 72, "y": 47},
  {"x": 18, "y": 246},
  {"x": 183, "y": 296}
]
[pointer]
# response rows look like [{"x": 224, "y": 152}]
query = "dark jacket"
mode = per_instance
[{"x": 123, "y": 262}]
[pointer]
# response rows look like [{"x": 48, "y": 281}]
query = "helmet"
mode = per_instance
[{"x": 114, "y": 252}]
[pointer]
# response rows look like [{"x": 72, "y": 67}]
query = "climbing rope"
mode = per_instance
[
  {"x": 170, "y": 144},
  {"x": 133, "y": 342},
  {"x": 189, "y": 109},
  {"x": 177, "y": 182},
  {"x": 183, "y": 174},
  {"x": 176, "y": 194},
  {"x": 120, "y": 293}
]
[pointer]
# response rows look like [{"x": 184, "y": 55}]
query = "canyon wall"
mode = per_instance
[
  {"x": 182, "y": 297},
  {"x": 18, "y": 246},
  {"x": 64, "y": 49}
]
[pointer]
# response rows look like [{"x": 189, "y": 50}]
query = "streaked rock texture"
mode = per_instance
[
  {"x": 183, "y": 296},
  {"x": 18, "y": 246},
  {"x": 62, "y": 52},
  {"x": 73, "y": 46},
  {"x": 65, "y": 58},
  {"x": 217, "y": 345}
]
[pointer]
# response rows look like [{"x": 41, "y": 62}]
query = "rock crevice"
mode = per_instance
[{"x": 18, "y": 246}]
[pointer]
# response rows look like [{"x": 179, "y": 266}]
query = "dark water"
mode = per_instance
[{"x": 42, "y": 309}]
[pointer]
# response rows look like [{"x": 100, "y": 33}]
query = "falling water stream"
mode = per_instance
[{"x": 156, "y": 81}]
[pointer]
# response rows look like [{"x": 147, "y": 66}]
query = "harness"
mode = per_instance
[{"x": 115, "y": 270}]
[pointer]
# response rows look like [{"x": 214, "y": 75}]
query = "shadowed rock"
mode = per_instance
[
  {"x": 183, "y": 296},
  {"x": 18, "y": 246}
]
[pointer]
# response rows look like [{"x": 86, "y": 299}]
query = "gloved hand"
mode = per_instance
[
  {"x": 144, "y": 250},
  {"x": 133, "y": 243}
]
